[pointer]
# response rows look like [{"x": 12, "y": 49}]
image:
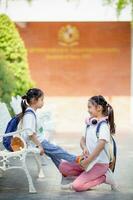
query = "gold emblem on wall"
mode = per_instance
[{"x": 68, "y": 36}]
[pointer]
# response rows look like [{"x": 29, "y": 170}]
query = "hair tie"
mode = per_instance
[{"x": 25, "y": 101}]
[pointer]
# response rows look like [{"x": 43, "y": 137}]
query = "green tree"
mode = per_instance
[
  {"x": 7, "y": 84},
  {"x": 15, "y": 54},
  {"x": 120, "y": 5}
]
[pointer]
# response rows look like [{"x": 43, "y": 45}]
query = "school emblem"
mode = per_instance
[{"x": 68, "y": 35}]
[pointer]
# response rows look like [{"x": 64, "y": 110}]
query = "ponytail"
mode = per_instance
[
  {"x": 111, "y": 118},
  {"x": 24, "y": 104}
]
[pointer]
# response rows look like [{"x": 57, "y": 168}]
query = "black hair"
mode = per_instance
[
  {"x": 107, "y": 110},
  {"x": 31, "y": 94}
]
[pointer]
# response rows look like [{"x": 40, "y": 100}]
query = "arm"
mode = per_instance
[
  {"x": 37, "y": 143},
  {"x": 83, "y": 146},
  {"x": 100, "y": 146},
  {"x": 104, "y": 137},
  {"x": 34, "y": 139},
  {"x": 82, "y": 142},
  {"x": 29, "y": 123}
]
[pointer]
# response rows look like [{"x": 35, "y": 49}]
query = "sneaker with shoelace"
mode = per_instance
[{"x": 110, "y": 180}]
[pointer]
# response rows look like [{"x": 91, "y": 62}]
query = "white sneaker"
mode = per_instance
[
  {"x": 66, "y": 187},
  {"x": 110, "y": 180},
  {"x": 66, "y": 182}
]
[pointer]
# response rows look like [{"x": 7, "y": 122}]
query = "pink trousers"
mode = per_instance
[{"x": 85, "y": 180}]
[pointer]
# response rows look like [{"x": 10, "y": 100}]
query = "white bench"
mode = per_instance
[{"x": 6, "y": 155}]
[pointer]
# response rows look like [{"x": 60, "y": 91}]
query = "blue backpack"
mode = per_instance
[
  {"x": 114, "y": 146},
  {"x": 12, "y": 127}
]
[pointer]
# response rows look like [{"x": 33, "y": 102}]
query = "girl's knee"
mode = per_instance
[{"x": 63, "y": 168}]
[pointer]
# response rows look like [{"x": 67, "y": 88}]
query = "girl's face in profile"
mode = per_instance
[
  {"x": 94, "y": 109},
  {"x": 39, "y": 102}
]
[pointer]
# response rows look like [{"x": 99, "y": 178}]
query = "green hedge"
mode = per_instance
[{"x": 15, "y": 54}]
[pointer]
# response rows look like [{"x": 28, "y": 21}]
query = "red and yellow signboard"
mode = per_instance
[{"x": 79, "y": 59}]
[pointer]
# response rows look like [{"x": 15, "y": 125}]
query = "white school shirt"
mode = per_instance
[
  {"x": 92, "y": 141},
  {"x": 29, "y": 121}
]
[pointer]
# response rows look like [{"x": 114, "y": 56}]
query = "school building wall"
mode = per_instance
[{"x": 93, "y": 64}]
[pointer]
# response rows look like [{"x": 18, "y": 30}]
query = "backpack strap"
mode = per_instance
[
  {"x": 109, "y": 155},
  {"x": 31, "y": 111},
  {"x": 114, "y": 147},
  {"x": 98, "y": 127},
  {"x": 112, "y": 154}
]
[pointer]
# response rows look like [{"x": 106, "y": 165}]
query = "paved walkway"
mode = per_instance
[{"x": 13, "y": 186}]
